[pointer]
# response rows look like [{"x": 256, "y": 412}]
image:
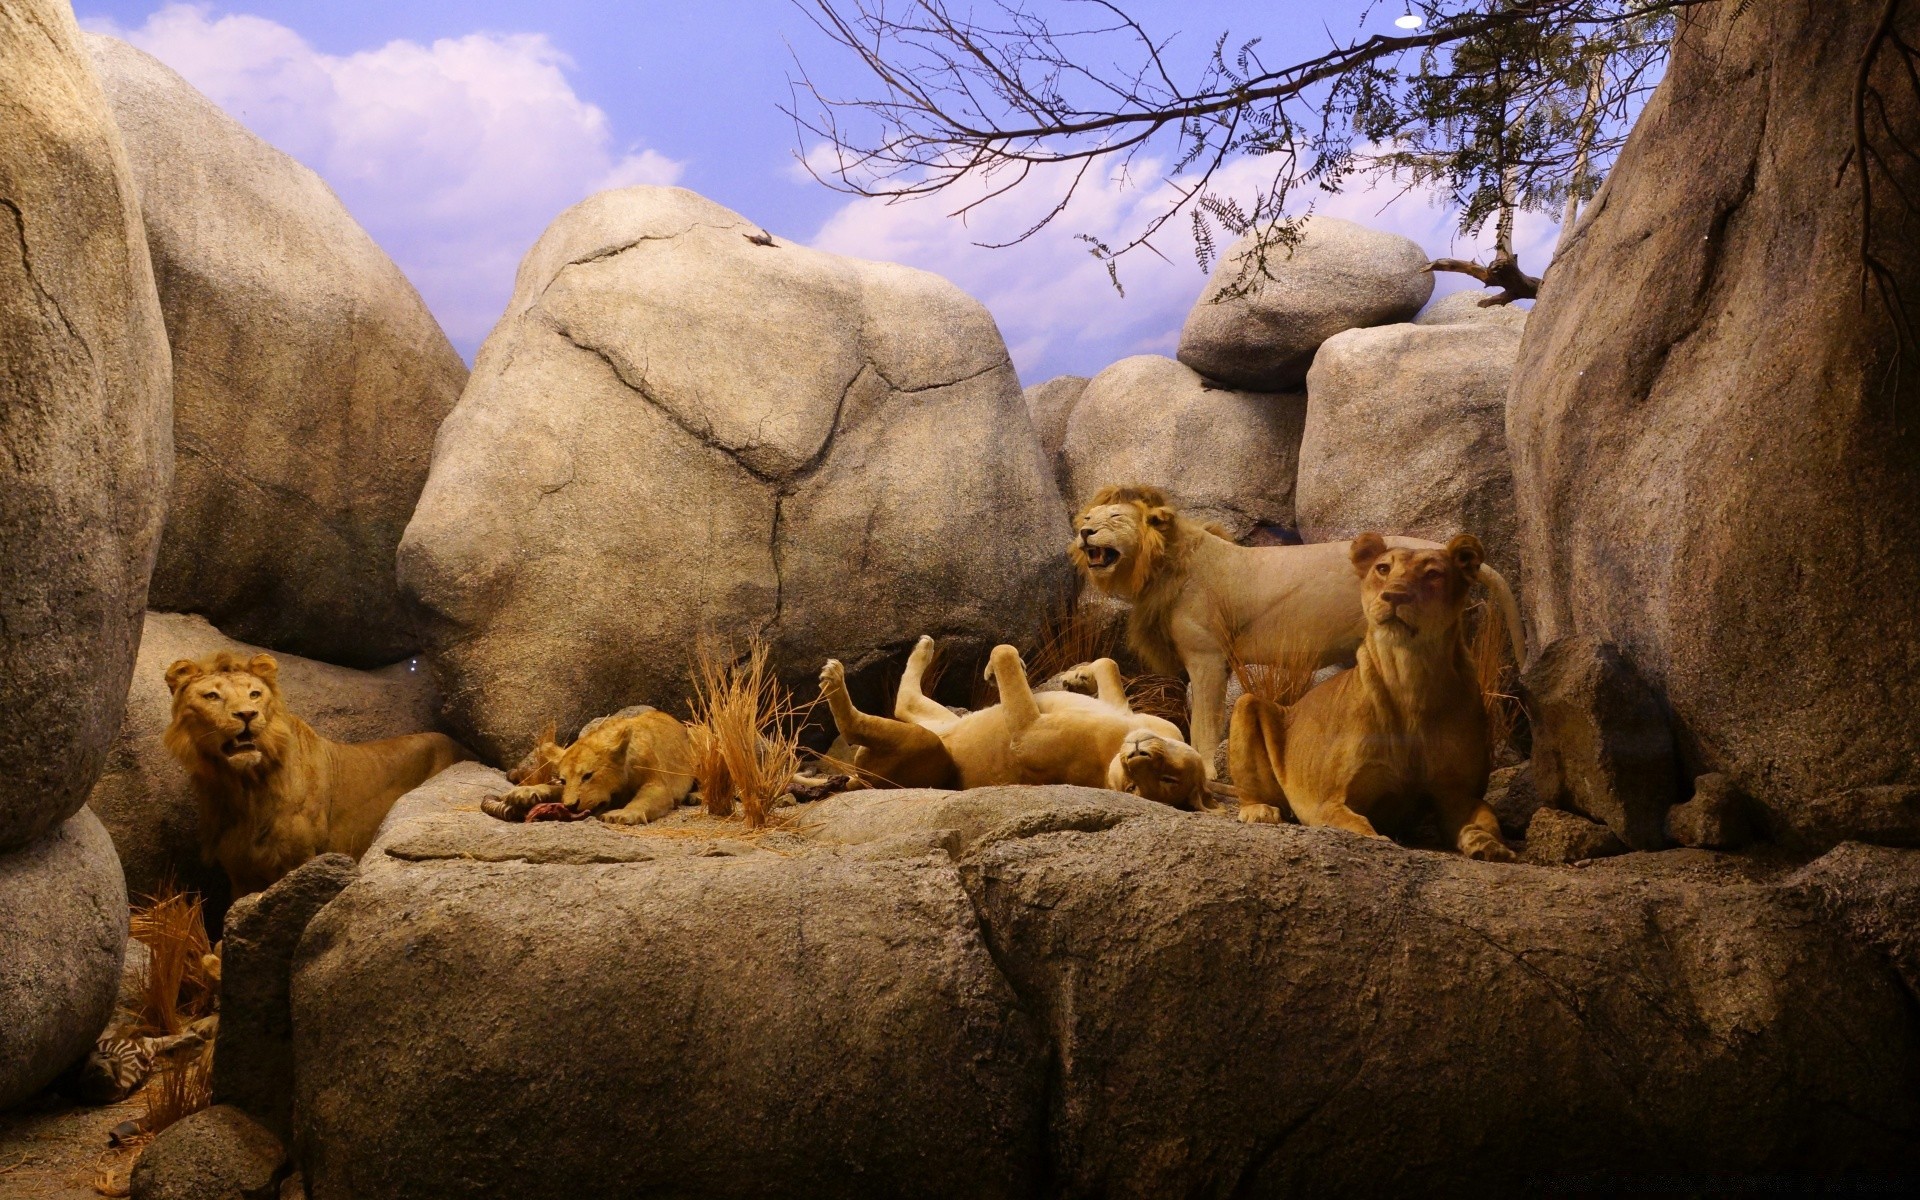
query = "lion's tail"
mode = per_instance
[{"x": 1496, "y": 585}]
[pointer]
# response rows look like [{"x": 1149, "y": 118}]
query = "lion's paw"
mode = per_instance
[
  {"x": 833, "y": 676},
  {"x": 625, "y": 816},
  {"x": 1079, "y": 679},
  {"x": 1259, "y": 814},
  {"x": 1477, "y": 843}
]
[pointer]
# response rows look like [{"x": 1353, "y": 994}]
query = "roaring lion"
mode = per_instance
[
  {"x": 272, "y": 792},
  {"x": 1199, "y": 599},
  {"x": 1049, "y": 737},
  {"x": 1367, "y": 749},
  {"x": 636, "y": 764}
]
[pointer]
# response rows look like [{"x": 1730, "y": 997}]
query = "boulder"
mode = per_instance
[
  {"x": 309, "y": 379},
  {"x": 63, "y": 937},
  {"x": 1464, "y": 308},
  {"x": 1069, "y": 991},
  {"x": 1873, "y": 892},
  {"x": 1406, "y": 432},
  {"x": 677, "y": 434},
  {"x": 253, "y": 1070},
  {"x": 84, "y": 425},
  {"x": 1257, "y": 325},
  {"x": 1513, "y": 798},
  {"x": 1715, "y": 819},
  {"x": 218, "y": 1153},
  {"x": 714, "y": 1019},
  {"x": 144, "y": 797},
  {"x": 1049, "y": 406},
  {"x": 1224, "y": 456},
  {"x": 1716, "y": 458},
  {"x": 1558, "y": 839},
  {"x": 1601, "y": 743}
]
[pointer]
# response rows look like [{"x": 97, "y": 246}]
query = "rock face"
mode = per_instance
[
  {"x": 1715, "y": 453},
  {"x": 253, "y": 1070},
  {"x": 1556, "y": 838},
  {"x": 1066, "y": 991},
  {"x": 63, "y": 933},
  {"x": 1224, "y": 456},
  {"x": 218, "y": 1153},
  {"x": 144, "y": 797},
  {"x": 1463, "y": 308},
  {"x": 1049, "y": 406},
  {"x": 309, "y": 379},
  {"x": 1715, "y": 819},
  {"x": 1406, "y": 432},
  {"x": 1339, "y": 276},
  {"x": 84, "y": 425},
  {"x": 1601, "y": 745},
  {"x": 677, "y": 432}
]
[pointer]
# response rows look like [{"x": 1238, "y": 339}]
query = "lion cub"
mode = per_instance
[
  {"x": 639, "y": 761},
  {"x": 1403, "y": 728},
  {"x": 1051, "y": 737}
]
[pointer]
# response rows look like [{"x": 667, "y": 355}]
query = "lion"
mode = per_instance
[
  {"x": 1049, "y": 737},
  {"x": 1199, "y": 599},
  {"x": 273, "y": 793},
  {"x": 1403, "y": 729},
  {"x": 637, "y": 765}
]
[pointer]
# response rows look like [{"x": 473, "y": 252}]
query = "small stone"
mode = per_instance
[
  {"x": 1601, "y": 742},
  {"x": 1715, "y": 819},
  {"x": 218, "y": 1153},
  {"x": 1556, "y": 838},
  {"x": 1513, "y": 798}
]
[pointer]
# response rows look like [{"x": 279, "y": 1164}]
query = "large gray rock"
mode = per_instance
[
  {"x": 144, "y": 797},
  {"x": 63, "y": 935},
  {"x": 1874, "y": 894},
  {"x": 1716, "y": 456},
  {"x": 309, "y": 379},
  {"x": 1406, "y": 432},
  {"x": 1069, "y": 991},
  {"x": 676, "y": 432},
  {"x": 218, "y": 1153},
  {"x": 1049, "y": 405},
  {"x": 84, "y": 425},
  {"x": 253, "y": 1070},
  {"x": 1223, "y": 456},
  {"x": 1601, "y": 742},
  {"x": 1257, "y": 329},
  {"x": 1464, "y": 308}
]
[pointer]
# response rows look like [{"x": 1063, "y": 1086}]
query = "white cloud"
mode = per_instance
[
  {"x": 453, "y": 155},
  {"x": 1051, "y": 296}
]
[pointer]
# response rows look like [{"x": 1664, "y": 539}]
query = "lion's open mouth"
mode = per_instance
[
  {"x": 239, "y": 743},
  {"x": 1100, "y": 557}
]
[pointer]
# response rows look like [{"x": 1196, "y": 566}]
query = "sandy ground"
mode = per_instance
[{"x": 51, "y": 1151}]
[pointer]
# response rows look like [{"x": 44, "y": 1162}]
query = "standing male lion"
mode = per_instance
[
  {"x": 1199, "y": 599},
  {"x": 272, "y": 792}
]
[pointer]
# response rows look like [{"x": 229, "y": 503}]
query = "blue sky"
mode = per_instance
[{"x": 456, "y": 131}]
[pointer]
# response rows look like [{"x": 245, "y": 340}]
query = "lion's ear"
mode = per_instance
[
  {"x": 1366, "y": 548},
  {"x": 181, "y": 673},
  {"x": 264, "y": 666},
  {"x": 1467, "y": 554},
  {"x": 1160, "y": 517}
]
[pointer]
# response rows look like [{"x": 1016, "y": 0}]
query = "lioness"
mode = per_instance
[
  {"x": 272, "y": 792},
  {"x": 639, "y": 761},
  {"x": 1194, "y": 591},
  {"x": 1052, "y": 737},
  {"x": 1403, "y": 728}
]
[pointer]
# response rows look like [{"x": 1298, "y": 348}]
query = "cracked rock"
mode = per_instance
[
  {"x": 676, "y": 433},
  {"x": 1224, "y": 456},
  {"x": 309, "y": 379},
  {"x": 85, "y": 436}
]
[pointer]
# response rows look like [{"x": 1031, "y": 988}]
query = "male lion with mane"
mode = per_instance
[
  {"x": 1199, "y": 599},
  {"x": 272, "y": 792}
]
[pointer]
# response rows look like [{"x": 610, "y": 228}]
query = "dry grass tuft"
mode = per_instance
[
  {"x": 1278, "y": 669},
  {"x": 178, "y": 1089},
  {"x": 746, "y": 733},
  {"x": 1488, "y": 651},
  {"x": 182, "y": 984},
  {"x": 1069, "y": 635},
  {"x": 1160, "y": 696}
]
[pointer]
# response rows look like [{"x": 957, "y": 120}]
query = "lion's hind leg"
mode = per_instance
[
  {"x": 888, "y": 753},
  {"x": 912, "y": 703},
  {"x": 1256, "y": 747}
]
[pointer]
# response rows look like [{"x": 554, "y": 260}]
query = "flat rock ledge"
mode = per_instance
[{"x": 1065, "y": 991}]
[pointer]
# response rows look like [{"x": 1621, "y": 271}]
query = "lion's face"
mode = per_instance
[
  {"x": 1415, "y": 592},
  {"x": 1115, "y": 544},
  {"x": 593, "y": 772},
  {"x": 1161, "y": 769},
  {"x": 229, "y": 710}
]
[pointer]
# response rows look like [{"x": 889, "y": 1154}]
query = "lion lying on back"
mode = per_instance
[
  {"x": 272, "y": 792},
  {"x": 1051, "y": 737},
  {"x": 1199, "y": 599}
]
